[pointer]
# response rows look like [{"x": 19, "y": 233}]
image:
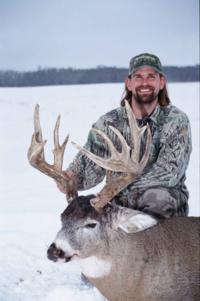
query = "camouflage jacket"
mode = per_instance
[{"x": 169, "y": 155}]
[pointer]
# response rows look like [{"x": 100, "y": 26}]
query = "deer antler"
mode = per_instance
[
  {"x": 126, "y": 161},
  {"x": 36, "y": 155}
]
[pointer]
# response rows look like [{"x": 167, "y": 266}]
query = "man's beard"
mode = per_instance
[{"x": 145, "y": 98}]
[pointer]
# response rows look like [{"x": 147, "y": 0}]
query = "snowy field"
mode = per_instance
[{"x": 30, "y": 202}]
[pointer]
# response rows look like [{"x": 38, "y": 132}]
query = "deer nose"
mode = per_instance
[{"x": 53, "y": 253}]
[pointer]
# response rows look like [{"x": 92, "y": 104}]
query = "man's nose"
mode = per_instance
[
  {"x": 53, "y": 253},
  {"x": 144, "y": 82}
]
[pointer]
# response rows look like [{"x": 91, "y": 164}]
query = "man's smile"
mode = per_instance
[{"x": 144, "y": 90}]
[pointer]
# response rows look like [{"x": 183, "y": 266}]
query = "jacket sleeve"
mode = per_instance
[
  {"x": 172, "y": 160},
  {"x": 88, "y": 174}
]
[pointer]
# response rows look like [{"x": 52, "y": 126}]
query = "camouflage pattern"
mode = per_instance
[
  {"x": 160, "y": 202},
  {"x": 168, "y": 160}
]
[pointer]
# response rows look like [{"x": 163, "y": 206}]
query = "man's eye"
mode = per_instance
[{"x": 90, "y": 226}]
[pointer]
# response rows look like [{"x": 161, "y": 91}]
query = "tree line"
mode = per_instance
[{"x": 70, "y": 76}]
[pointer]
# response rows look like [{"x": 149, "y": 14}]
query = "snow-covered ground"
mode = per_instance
[{"x": 30, "y": 202}]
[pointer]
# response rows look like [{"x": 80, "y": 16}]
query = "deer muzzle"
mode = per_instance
[{"x": 56, "y": 254}]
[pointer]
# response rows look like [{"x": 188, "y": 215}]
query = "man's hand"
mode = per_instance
[{"x": 69, "y": 176}]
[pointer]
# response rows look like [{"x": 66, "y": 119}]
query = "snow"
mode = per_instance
[{"x": 31, "y": 203}]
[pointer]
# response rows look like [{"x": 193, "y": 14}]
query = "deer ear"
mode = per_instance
[{"x": 132, "y": 221}]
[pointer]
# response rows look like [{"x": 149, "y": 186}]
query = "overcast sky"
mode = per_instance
[{"x": 89, "y": 33}]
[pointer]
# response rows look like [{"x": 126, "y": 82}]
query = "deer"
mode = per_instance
[{"x": 126, "y": 254}]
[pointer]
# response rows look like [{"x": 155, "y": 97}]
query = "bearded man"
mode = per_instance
[{"x": 160, "y": 190}]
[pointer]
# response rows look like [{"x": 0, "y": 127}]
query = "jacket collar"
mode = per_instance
[{"x": 155, "y": 115}]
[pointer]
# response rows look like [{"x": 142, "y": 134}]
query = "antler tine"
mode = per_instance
[
  {"x": 125, "y": 147},
  {"x": 37, "y": 144},
  {"x": 144, "y": 160},
  {"x": 37, "y": 126},
  {"x": 58, "y": 150},
  {"x": 136, "y": 132}
]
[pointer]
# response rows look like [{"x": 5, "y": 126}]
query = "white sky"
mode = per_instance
[{"x": 82, "y": 34}]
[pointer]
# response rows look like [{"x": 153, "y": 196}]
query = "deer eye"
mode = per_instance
[{"x": 90, "y": 225}]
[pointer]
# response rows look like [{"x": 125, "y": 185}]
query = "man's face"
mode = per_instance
[{"x": 145, "y": 85}]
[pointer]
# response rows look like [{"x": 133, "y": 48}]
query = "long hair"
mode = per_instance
[{"x": 163, "y": 97}]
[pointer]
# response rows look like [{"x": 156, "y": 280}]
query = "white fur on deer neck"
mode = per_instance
[{"x": 94, "y": 267}]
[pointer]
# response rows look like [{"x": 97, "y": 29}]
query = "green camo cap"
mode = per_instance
[{"x": 145, "y": 59}]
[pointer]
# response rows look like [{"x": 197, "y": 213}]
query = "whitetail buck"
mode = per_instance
[{"x": 123, "y": 252}]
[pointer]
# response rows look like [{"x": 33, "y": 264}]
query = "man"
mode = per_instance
[{"x": 160, "y": 190}]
